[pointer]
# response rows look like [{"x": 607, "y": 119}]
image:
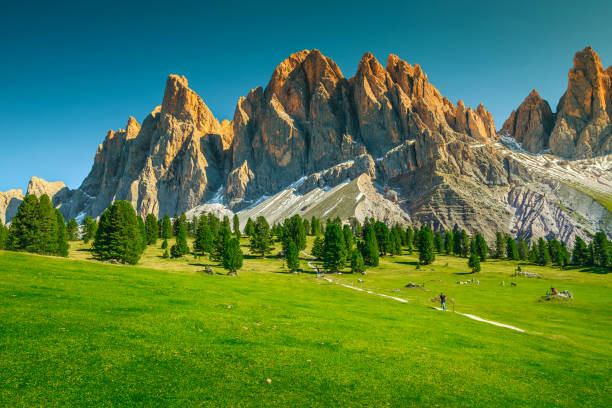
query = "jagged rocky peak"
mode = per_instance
[
  {"x": 582, "y": 125},
  {"x": 38, "y": 187},
  {"x": 531, "y": 123}
]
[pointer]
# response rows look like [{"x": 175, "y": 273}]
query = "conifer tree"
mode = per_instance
[
  {"x": 89, "y": 229},
  {"x": 383, "y": 236},
  {"x": 523, "y": 249},
  {"x": 500, "y": 245},
  {"x": 409, "y": 239},
  {"x": 294, "y": 228},
  {"x": 426, "y": 245},
  {"x": 220, "y": 242},
  {"x": 306, "y": 227},
  {"x": 3, "y": 236},
  {"x": 182, "y": 248},
  {"x": 348, "y": 237},
  {"x": 236, "y": 222},
  {"x": 465, "y": 244},
  {"x": 318, "y": 248},
  {"x": 226, "y": 222},
  {"x": 315, "y": 226},
  {"x": 438, "y": 242},
  {"x": 449, "y": 243},
  {"x": 511, "y": 248},
  {"x": 601, "y": 249},
  {"x": 203, "y": 240},
  {"x": 143, "y": 232},
  {"x": 543, "y": 255},
  {"x": 474, "y": 262},
  {"x": 166, "y": 227},
  {"x": 335, "y": 254},
  {"x": 554, "y": 249},
  {"x": 151, "y": 227},
  {"x": 291, "y": 256},
  {"x": 118, "y": 236},
  {"x": 249, "y": 227},
  {"x": 261, "y": 239},
  {"x": 457, "y": 243},
  {"x": 47, "y": 227},
  {"x": 72, "y": 230},
  {"x": 356, "y": 225},
  {"x": 62, "y": 241},
  {"x": 369, "y": 247},
  {"x": 357, "y": 264},
  {"x": 23, "y": 234},
  {"x": 482, "y": 249},
  {"x": 580, "y": 252},
  {"x": 164, "y": 244},
  {"x": 232, "y": 255}
]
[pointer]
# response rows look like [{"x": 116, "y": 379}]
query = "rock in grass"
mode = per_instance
[{"x": 269, "y": 381}]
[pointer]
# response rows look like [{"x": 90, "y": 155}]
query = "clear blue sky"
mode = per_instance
[{"x": 71, "y": 71}]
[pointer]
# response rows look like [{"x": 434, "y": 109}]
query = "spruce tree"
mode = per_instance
[
  {"x": 291, "y": 257},
  {"x": 72, "y": 230},
  {"x": 369, "y": 247},
  {"x": 118, "y": 236},
  {"x": 315, "y": 226},
  {"x": 62, "y": 241},
  {"x": 357, "y": 264},
  {"x": 3, "y": 236},
  {"x": 164, "y": 244},
  {"x": 232, "y": 255},
  {"x": 306, "y": 227},
  {"x": 151, "y": 227},
  {"x": 580, "y": 252},
  {"x": 226, "y": 222},
  {"x": 500, "y": 245},
  {"x": 335, "y": 254},
  {"x": 543, "y": 255},
  {"x": 449, "y": 243},
  {"x": 474, "y": 262},
  {"x": 383, "y": 236},
  {"x": 426, "y": 246},
  {"x": 166, "y": 227},
  {"x": 438, "y": 242},
  {"x": 143, "y": 232},
  {"x": 89, "y": 229},
  {"x": 511, "y": 248},
  {"x": 601, "y": 249},
  {"x": 348, "y": 237},
  {"x": 482, "y": 249},
  {"x": 294, "y": 228},
  {"x": 318, "y": 248},
  {"x": 457, "y": 243},
  {"x": 203, "y": 240},
  {"x": 23, "y": 233},
  {"x": 523, "y": 249},
  {"x": 47, "y": 227},
  {"x": 261, "y": 239},
  {"x": 182, "y": 247},
  {"x": 465, "y": 244},
  {"x": 249, "y": 228},
  {"x": 236, "y": 222},
  {"x": 409, "y": 239}
]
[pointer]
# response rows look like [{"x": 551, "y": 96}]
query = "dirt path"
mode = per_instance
[{"x": 480, "y": 319}]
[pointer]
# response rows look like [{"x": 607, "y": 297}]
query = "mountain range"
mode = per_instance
[{"x": 384, "y": 144}]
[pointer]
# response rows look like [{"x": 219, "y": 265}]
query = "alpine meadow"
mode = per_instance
[{"x": 354, "y": 237}]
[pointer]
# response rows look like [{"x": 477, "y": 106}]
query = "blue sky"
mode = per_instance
[{"x": 72, "y": 71}]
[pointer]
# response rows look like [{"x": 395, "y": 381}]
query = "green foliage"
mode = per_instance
[
  {"x": 62, "y": 241},
  {"x": 425, "y": 245},
  {"x": 318, "y": 248},
  {"x": 166, "y": 255},
  {"x": 164, "y": 244},
  {"x": 72, "y": 230},
  {"x": 249, "y": 228},
  {"x": 357, "y": 263},
  {"x": 307, "y": 227},
  {"x": 3, "y": 236},
  {"x": 369, "y": 247},
  {"x": 348, "y": 237},
  {"x": 118, "y": 236},
  {"x": 315, "y": 226},
  {"x": 601, "y": 250},
  {"x": 543, "y": 255},
  {"x": 226, "y": 222},
  {"x": 232, "y": 254},
  {"x": 294, "y": 229},
  {"x": 48, "y": 227},
  {"x": 182, "y": 248},
  {"x": 261, "y": 238},
  {"x": 166, "y": 227},
  {"x": 143, "y": 231},
  {"x": 152, "y": 229},
  {"x": 500, "y": 245},
  {"x": 580, "y": 253},
  {"x": 465, "y": 244},
  {"x": 335, "y": 253},
  {"x": 474, "y": 262},
  {"x": 449, "y": 243},
  {"x": 203, "y": 240},
  {"x": 511, "y": 248},
  {"x": 482, "y": 249},
  {"x": 438, "y": 242},
  {"x": 383, "y": 237},
  {"x": 523, "y": 249},
  {"x": 236, "y": 222},
  {"x": 291, "y": 256},
  {"x": 90, "y": 226},
  {"x": 220, "y": 243}
]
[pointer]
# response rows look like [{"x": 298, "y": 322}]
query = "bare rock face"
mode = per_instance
[
  {"x": 582, "y": 126},
  {"x": 531, "y": 123},
  {"x": 9, "y": 202},
  {"x": 38, "y": 187}
]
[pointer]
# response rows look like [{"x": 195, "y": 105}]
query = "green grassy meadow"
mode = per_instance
[{"x": 77, "y": 332}]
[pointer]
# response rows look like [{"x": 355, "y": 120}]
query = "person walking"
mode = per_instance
[{"x": 443, "y": 301}]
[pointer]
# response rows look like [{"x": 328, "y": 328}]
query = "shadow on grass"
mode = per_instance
[{"x": 413, "y": 263}]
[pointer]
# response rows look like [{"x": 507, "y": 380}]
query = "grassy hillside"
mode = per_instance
[{"x": 78, "y": 332}]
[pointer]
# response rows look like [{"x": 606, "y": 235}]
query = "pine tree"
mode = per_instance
[
  {"x": 226, "y": 222},
  {"x": 47, "y": 227},
  {"x": 23, "y": 234},
  {"x": 426, "y": 246},
  {"x": 261, "y": 239},
  {"x": 306, "y": 227},
  {"x": 182, "y": 247},
  {"x": 601, "y": 249},
  {"x": 369, "y": 247},
  {"x": 203, "y": 240},
  {"x": 315, "y": 226},
  {"x": 318, "y": 248},
  {"x": 356, "y": 225},
  {"x": 335, "y": 254},
  {"x": 482, "y": 249},
  {"x": 294, "y": 228},
  {"x": 89, "y": 229},
  {"x": 554, "y": 249},
  {"x": 236, "y": 222},
  {"x": 164, "y": 244},
  {"x": 465, "y": 244},
  {"x": 151, "y": 227},
  {"x": 511, "y": 248},
  {"x": 543, "y": 256},
  {"x": 500, "y": 245},
  {"x": 564, "y": 256},
  {"x": 474, "y": 262},
  {"x": 62, "y": 241},
  {"x": 438, "y": 242},
  {"x": 143, "y": 232},
  {"x": 232, "y": 255},
  {"x": 166, "y": 254},
  {"x": 357, "y": 264},
  {"x": 166, "y": 227},
  {"x": 3, "y": 236},
  {"x": 409, "y": 239},
  {"x": 383, "y": 236},
  {"x": 291, "y": 256},
  {"x": 249, "y": 227},
  {"x": 72, "y": 230},
  {"x": 523, "y": 249},
  {"x": 457, "y": 243},
  {"x": 449, "y": 243},
  {"x": 348, "y": 237},
  {"x": 118, "y": 236},
  {"x": 580, "y": 252}
]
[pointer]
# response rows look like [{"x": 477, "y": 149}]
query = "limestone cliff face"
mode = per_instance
[
  {"x": 309, "y": 118},
  {"x": 173, "y": 162},
  {"x": 531, "y": 123},
  {"x": 582, "y": 126},
  {"x": 9, "y": 202}
]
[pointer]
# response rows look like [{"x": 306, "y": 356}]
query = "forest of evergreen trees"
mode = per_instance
[{"x": 120, "y": 235}]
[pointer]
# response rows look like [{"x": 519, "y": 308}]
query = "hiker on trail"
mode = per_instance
[
  {"x": 443, "y": 301},
  {"x": 554, "y": 291}
]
